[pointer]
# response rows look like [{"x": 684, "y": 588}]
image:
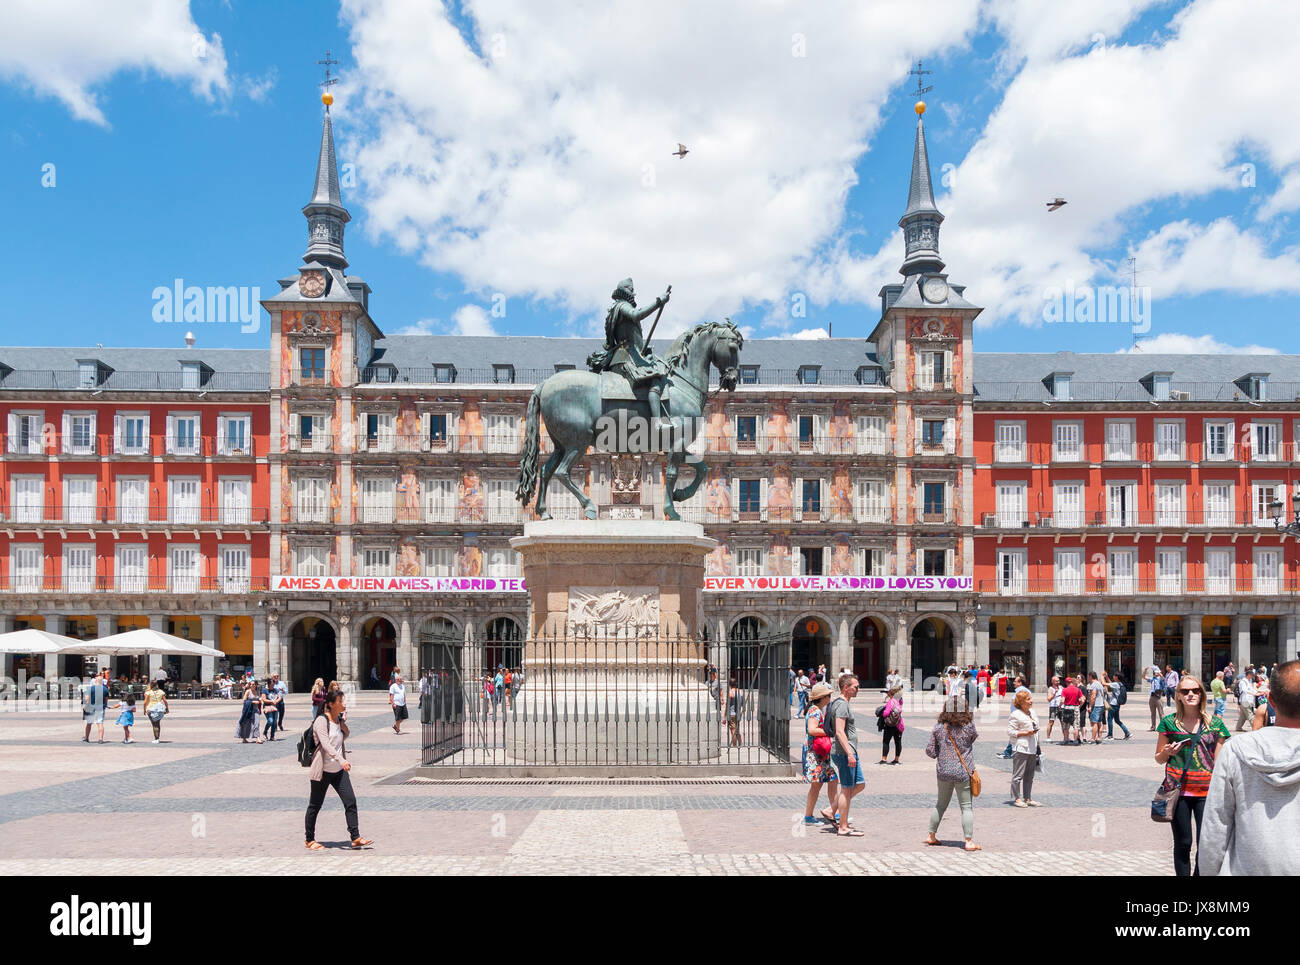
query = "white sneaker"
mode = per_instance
[{"x": 155, "y": 740}]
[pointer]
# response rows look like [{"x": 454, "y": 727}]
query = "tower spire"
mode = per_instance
[
  {"x": 920, "y": 222},
  {"x": 325, "y": 213}
]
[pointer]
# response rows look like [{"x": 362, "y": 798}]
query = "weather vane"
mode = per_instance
[
  {"x": 327, "y": 98},
  {"x": 920, "y": 91}
]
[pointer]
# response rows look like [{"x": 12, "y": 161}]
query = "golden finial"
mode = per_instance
[
  {"x": 327, "y": 98},
  {"x": 920, "y": 107}
]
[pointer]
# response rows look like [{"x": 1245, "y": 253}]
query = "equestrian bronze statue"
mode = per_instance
[{"x": 630, "y": 402}]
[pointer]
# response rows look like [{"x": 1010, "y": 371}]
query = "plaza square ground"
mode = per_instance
[{"x": 202, "y": 803}]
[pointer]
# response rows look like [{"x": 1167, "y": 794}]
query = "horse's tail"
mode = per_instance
[{"x": 532, "y": 449}]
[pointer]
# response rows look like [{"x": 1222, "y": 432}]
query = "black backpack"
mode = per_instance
[
  {"x": 1121, "y": 694},
  {"x": 307, "y": 745}
]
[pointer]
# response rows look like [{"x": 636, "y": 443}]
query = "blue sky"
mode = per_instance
[{"x": 199, "y": 172}]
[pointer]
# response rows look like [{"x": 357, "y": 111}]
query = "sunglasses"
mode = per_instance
[{"x": 1186, "y": 692}]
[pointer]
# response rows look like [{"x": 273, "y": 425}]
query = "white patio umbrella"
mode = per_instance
[
  {"x": 143, "y": 641},
  {"x": 36, "y": 641}
]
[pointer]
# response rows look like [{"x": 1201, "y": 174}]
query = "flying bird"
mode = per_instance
[
  {"x": 1056, "y": 203},
  {"x": 681, "y": 150}
]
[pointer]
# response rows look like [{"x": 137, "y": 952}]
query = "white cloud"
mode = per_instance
[
  {"x": 808, "y": 333},
  {"x": 471, "y": 320},
  {"x": 64, "y": 48},
  {"x": 1174, "y": 343},
  {"x": 1115, "y": 131},
  {"x": 542, "y": 169},
  {"x": 466, "y": 320}
]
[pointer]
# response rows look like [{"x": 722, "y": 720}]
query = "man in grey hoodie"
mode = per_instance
[{"x": 1252, "y": 814}]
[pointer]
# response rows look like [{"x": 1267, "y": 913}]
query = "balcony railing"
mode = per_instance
[
  {"x": 847, "y": 444},
  {"x": 154, "y": 582},
  {"x": 1193, "y": 451},
  {"x": 176, "y": 514},
  {"x": 119, "y": 381},
  {"x": 1132, "y": 586},
  {"x": 102, "y": 444},
  {"x": 380, "y": 375},
  {"x": 1133, "y": 519},
  {"x": 1130, "y": 392}
]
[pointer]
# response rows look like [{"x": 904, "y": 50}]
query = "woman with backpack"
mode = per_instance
[
  {"x": 818, "y": 770},
  {"x": 891, "y": 724},
  {"x": 1114, "y": 695},
  {"x": 329, "y": 768}
]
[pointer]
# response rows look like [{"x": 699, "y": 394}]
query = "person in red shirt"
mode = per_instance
[
  {"x": 982, "y": 678},
  {"x": 1071, "y": 700}
]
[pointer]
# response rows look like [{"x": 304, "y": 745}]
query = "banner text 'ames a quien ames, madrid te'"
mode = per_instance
[{"x": 712, "y": 584}]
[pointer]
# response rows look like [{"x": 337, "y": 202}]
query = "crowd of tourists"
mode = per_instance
[{"x": 1237, "y": 801}]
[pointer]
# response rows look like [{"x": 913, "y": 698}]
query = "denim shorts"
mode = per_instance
[
  {"x": 1097, "y": 714},
  {"x": 849, "y": 776}
]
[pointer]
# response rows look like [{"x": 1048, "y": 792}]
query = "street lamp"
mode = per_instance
[
  {"x": 234, "y": 631},
  {"x": 1066, "y": 629},
  {"x": 1275, "y": 513}
]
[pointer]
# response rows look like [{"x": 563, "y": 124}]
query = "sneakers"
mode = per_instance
[
  {"x": 155, "y": 740},
  {"x": 1032, "y": 804},
  {"x": 1017, "y": 803}
]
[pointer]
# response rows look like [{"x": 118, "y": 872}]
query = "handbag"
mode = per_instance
[
  {"x": 973, "y": 775},
  {"x": 1166, "y": 797}
]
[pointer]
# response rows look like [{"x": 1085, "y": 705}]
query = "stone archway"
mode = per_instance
[
  {"x": 810, "y": 643},
  {"x": 503, "y": 644},
  {"x": 932, "y": 646},
  {"x": 871, "y": 651},
  {"x": 313, "y": 653},
  {"x": 378, "y": 650}
]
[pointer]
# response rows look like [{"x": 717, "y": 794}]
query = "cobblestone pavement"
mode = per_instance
[{"x": 202, "y": 803}]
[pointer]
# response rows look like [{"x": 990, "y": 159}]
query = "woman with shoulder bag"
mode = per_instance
[
  {"x": 1189, "y": 740},
  {"x": 818, "y": 770},
  {"x": 952, "y": 743},
  {"x": 329, "y": 768},
  {"x": 1022, "y": 728}
]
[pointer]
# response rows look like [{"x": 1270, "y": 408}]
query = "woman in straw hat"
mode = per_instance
[
  {"x": 891, "y": 719},
  {"x": 818, "y": 770}
]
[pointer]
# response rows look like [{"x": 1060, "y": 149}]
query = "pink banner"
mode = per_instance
[
  {"x": 747, "y": 584},
  {"x": 712, "y": 584}
]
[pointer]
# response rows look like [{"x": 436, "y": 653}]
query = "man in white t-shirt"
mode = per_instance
[
  {"x": 397, "y": 700},
  {"x": 801, "y": 686}
]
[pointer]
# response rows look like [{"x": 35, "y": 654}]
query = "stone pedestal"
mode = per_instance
[
  {"x": 613, "y": 574},
  {"x": 613, "y": 660}
]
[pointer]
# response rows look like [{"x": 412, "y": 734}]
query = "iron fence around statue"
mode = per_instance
[{"x": 593, "y": 697}]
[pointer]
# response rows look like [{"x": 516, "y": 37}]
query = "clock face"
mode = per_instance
[
  {"x": 934, "y": 289},
  {"x": 312, "y": 284}
]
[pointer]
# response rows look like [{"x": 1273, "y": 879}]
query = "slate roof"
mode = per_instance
[{"x": 143, "y": 369}]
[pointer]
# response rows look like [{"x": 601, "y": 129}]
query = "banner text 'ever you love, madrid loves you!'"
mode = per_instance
[{"x": 712, "y": 584}]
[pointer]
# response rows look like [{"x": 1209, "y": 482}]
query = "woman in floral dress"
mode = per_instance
[{"x": 818, "y": 770}]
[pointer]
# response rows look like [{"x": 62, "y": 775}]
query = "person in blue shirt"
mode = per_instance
[
  {"x": 94, "y": 702},
  {"x": 269, "y": 698}
]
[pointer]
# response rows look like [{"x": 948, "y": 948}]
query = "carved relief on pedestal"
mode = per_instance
[
  {"x": 626, "y": 484},
  {"x": 611, "y": 608}
]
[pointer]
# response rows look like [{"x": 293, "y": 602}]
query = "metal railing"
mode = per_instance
[
  {"x": 210, "y": 514},
  {"x": 1147, "y": 519},
  {"x": 379, "y": 375},
  {"x": 1191, "y": 584},
  {"x": 1193, "y": 451},
  {"x": 152, "y": 582},
  {"x": 72, "y": 380},
  {"x": 102, "y": 444},
  {"x": 1036, "y": 391},
  {"x": 583, "y": 697}
]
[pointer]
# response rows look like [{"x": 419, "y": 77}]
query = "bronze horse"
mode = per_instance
[{"x": 575, "y": 411}]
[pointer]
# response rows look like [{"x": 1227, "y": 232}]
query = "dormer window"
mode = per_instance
[
  {"x": 383, "y": 373},
  {"x": 444, "y": 373},
  {"x": 503, "y": 374},
  {"x": 1258, "y": 388},
  {"x": 191, "y": 375},
  {"x": 870, "y": 375},
  {"x": 1160, "y": 387},
  {"x": 87, "y": 375},
  {"x": 809, "y": 374},
  {"x": 749, "y": 375},
  {"x": 1061, "y": 386}
]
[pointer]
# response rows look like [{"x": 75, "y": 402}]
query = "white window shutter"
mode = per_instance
[
  {"x": 950, "y": 435},
  {"x": 762, "y": 499},
  {"x": 171, "y": 434},
  {"x": 919, "y": 369},
  {"x": 735, "y": 495},
  {"x": 827, "y": 510},
  {"x": 947, "y": 369},
  {"x": 67, "y": 432},
  {"x": 117, "y": 432},
  {"x": 798, "y": 498},
  {"x": 13, "y": 432},
  {"x": 223, "y": 447}
]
